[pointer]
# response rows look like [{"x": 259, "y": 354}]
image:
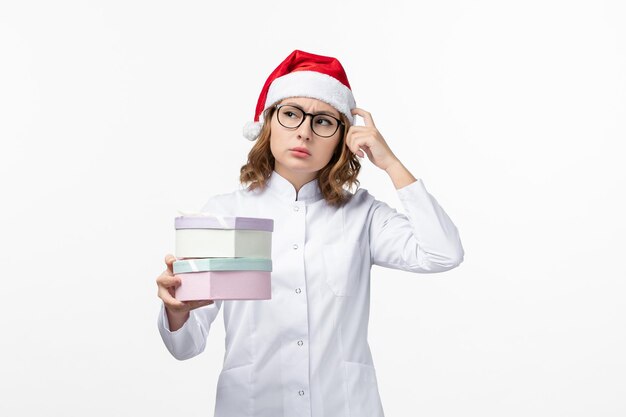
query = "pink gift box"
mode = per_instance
[{"x": 224, "y": 285}]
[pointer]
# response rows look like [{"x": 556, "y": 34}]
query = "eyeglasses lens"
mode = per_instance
[{"x": 291, "y": 117}]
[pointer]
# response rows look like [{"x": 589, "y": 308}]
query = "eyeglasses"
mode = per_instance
[{"x": 292, "y": 117}]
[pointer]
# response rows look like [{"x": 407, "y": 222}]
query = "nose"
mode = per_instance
[{"x": 305, "y": 130}]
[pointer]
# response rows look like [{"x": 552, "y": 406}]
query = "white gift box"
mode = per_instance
[{"x": 209, "y": 236}]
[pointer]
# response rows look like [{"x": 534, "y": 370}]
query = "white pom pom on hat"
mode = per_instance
[
  {"x": 252, "y": 130},
  {"x": 303, "y": 74}
]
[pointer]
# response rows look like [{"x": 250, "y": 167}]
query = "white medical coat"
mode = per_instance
[{"x": 305, "y": 352}]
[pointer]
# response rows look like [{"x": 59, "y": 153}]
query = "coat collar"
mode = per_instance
[{"x": 309, "y": 192}]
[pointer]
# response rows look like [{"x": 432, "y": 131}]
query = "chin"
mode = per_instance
[{"x": 299, "y": 166}]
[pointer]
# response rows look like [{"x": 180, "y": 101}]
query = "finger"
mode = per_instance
[
  {"x": 166, "y": 280},
  {"x": 197, "y": 303},
  {"x": 357, "y": 129},
  {"x": 353, "y": 141},
  {"x": 168, "y": 299},
  {"x": 356, "y": 151},
  {"x": 356, "y": 132},
  {"x": 350, "y": 145},
  {"x": 348, "y": 138},
  {"x": 367, "y": 117},
  {"x": 358, "y": 142},
  {"x": 169, "y": 261}
]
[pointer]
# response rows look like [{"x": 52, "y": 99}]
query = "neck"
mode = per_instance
[{"x": 297, "y": 179}]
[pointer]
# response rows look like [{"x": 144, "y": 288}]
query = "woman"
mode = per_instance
[{"x": 305, "y": 351}]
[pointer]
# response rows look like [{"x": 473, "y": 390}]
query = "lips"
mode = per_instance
[{"x": 306, "y": 151}]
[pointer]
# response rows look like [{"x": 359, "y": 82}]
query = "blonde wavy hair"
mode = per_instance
[{"x": 334, "y": 180}]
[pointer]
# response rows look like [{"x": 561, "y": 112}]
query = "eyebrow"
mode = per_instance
[{"x": 320, "y": 112}]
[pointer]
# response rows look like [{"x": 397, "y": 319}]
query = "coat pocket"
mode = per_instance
[
  {"x": 342, "y": 265},
  {"x": 363, "y": 396},
  {"x": 234, "y": 392}
]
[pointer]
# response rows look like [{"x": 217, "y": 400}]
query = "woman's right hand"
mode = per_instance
[{"x": 177, "y": 311}]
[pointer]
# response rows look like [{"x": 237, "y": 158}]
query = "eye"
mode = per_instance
[
  {"x": 291, "y": 113},
  {"x": 324, "y": 121}
]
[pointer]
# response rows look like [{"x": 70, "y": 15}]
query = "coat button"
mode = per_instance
[
  {"x": 298, "y": 290},
  {"x": 300, "y": 342},
  {"x": 296, "y": 208},
  {"x": 295, "y": 246},
  {"x": 301, "y": 393}
]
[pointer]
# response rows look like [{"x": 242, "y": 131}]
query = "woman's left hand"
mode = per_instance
[{"x": 368, "y": 139}]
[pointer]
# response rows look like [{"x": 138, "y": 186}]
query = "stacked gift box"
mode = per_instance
[{"x": 223, "y": 258}]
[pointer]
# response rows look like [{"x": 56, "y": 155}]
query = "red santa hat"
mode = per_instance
[{"x": 303, "y": 74}]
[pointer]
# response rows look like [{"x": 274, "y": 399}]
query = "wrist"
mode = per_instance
[
  {"x": 394, "y": 164},
  {"x": 400, "y": 176},
  {"x": 176, "y": 319}
]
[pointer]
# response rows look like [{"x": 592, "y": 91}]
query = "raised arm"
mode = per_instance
[{"x": 423, "y": 240}]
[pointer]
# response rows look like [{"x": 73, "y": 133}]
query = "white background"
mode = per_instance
[{"x": 116, "y": 114}]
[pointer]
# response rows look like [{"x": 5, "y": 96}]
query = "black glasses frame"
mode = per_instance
[{"x": 339, "y": 122}]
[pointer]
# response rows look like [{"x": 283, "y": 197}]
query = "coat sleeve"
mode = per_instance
[
  {"x": 422, "y": 240},
  {"x": 189, "y": 340}
]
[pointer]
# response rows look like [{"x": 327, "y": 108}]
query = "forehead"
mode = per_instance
[{"x": 311, "y": 105}]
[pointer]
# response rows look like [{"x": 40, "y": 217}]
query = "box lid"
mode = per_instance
[
  {"x": 222, "y": 264},
  {"x": 211, "y": 221}
]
